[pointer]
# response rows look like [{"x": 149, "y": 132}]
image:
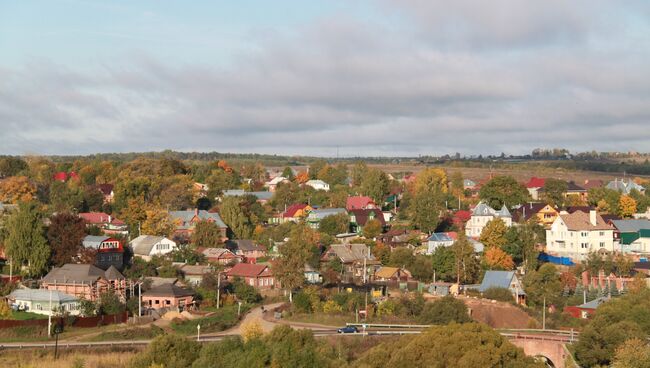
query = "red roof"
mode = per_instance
[
  {"x": 291, "y": 210},
  {"x": 60, "y": 176},
  {"x": 248, "y": 270},
  {"x": 99, "y": 218},
  {"x": 106, "y": 189},
  {"x": 535, "y": 182},
  {"x": 359, "y": 203}
]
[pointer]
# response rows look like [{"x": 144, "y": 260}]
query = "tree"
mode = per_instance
[
  {"x": 25, "y": 242},
  {"x": 444, "y": 264},
  {"x": 169, "y": 351},
  {"x": 401, "y": 257},
  {"x": 444, "y": 311},
  {"x": 5, "y": 310},
  {"x": 633, "y": 353},
  {"x": 626, "y": 206},
  {"x": 158, "y": 223},
  {"x": 335, "y": 224},
  {"x": 234, "y": 216},
  {"x": 251, "y": 330},
  {"x": 372, "y": 229},
  {"x": 496, "y": 259},
  {"x": 134, "y": 214},
  {"x": 543, "y": 284},
  {"x": 11, "y": 166},
  {"x": 427, "y": 207},
  {"x": 466, "y": 265},
  {"x": 220, "y": 180},
  {"x": 288, "y": 173},
  {"x": 375, "y": 184},
  {"x": 65, "y": 236},
  {"x": 206, "y": 235},
  {"x": 498, "y": 293},
  {"x": 504, "y": 190},
  {"x": 554, "y": 191},
  {"x": 177, "y": 192},
  {"x": 606, "y": 199},
  {"x": 289, "y": 267},
  {"x": 17, "y": 189},
  {"x": 493, "y": 234},
  {"x": 109, "y": 303}
]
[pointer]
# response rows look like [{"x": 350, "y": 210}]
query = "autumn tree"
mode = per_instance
[
  {"x": 633, "y": 353},
  {"x": 626, "y": 206},
  {"x": 11, "y": 166},
  {"x": 302, "y": 177},
  {"x": 375, "y": 184},
  {"x": 17, "y": 189},
  {"x": 177, "y": 193},
  {"x": 220, "y": 180},
  {"x": 206, "y": 235},
  {"x": 288, "y": 173},
  {"x": 372, "y": 229},
  {"x": 289, "y": 267},
  {"x": 607, "y": 200},
  {"x": 429, "y": 194},
  {"x": 493, "y": 234},
  {"x": 504, "y": 190},
  {"x": 157, "y": 222},
  {"x": 466, "y": 265},
  {"x": 554, "y": 190},
  {"x": 65, "y": 236},
  {"x": 25, "y": 242},
  {"x": 234, "y": 216},
  {"x": 543, "y": 284},
  {"x": 335, "y": 224},
  {"x": 497, "y": 259}
]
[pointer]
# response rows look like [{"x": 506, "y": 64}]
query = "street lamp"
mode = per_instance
[
  {"x": 238, "y": 309},
  {"x": 198, "y": 332}
]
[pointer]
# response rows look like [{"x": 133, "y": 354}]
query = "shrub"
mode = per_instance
[
  {"x": 498, "y": 293},
  {"x": 444, "y": 311},
  {"x": 251, "y": 330},
  {"x": 332, "y": 307},
  {"x": 170, "y": 351}
]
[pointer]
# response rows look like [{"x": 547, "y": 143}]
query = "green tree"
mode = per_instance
[
  {"x": 466, "y": 264},
  {"x": 543, "y": 284},
  {"x": 427, "y": 207},
  {"x": 444, "y": 263},
  {"x": 169, "y": 351},
  {"x": 288, "y": 173},
  {"x": 375, "y": 184},
  {"x": 206, "y": 235},
  {"x": 633, "y": 353},
  {"x": 504, "y": 190},
  {"x": 289, "y": 267},
  {"x": 25, "y": 242},
  {"x": 65, "y": 236},
  {"x": 604, "y": 197},
  {"x": 234, "y": 216},
  {"x": 109, "y": 303},
  {"x": 444, "y": 311},
  {"x": 220, "y": 180},
  {"x": 335, "y": 224},
  {"x": 554, "y": 191},
  {"x": 494, "y": 233},
  {"x": 11, "y": 166}
]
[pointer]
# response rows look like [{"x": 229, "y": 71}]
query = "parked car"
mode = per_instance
[{"x": 347, "y": 329}]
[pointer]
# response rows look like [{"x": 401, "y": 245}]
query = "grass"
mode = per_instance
[
  {"x": 95, "y": 358},
  {"x": 223, "y": 319},
  {"x": 25, "y": 316},
  {"x": 320, "y": 318},
  {"x": 136, "y": 333}
]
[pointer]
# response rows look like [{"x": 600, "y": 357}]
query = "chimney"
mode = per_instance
[
  {"x": 196, "y": 211},
  {"x": 592, "y": 217},
  {"x": 110, "y": 219}
]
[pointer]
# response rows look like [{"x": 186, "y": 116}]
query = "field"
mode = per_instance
[{"x": 95, "y": 358}]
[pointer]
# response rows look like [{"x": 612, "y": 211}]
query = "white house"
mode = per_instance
[
  {"x": 43, "y": 301},
  {"x": 147, "y": 246},
  {"x": 576, "y": 235},
  {"x": 439, "y": 240},
  {"x": 318, "y": 185},
  {"x": 273, "y": 183},
  {"x": 481, "y": 215}
]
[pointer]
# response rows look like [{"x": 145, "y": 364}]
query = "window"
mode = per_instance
[
  {"x": 602, "y": 233},
  {"x": 584, "y": 233},
  {"x": 251, "y": 282},
  {"x": 584, "y": 245},
  {"x": 602, "y": 244},
  {"x": 39, "y": 307},
  {"x": 168, "y": 302}
]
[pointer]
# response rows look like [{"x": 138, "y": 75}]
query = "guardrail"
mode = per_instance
[{"x": 388, "y": 326}]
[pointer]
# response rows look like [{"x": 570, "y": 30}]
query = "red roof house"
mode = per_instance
[
  {"x": 256, "y": 275},
  {"x": 536, "y": 182},
  {"x": 359, "y": 203}
]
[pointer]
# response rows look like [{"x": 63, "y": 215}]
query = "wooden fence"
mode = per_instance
[{"x": 73, "y": 321}]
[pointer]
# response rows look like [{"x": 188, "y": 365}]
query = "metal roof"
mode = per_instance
[{"x": 41, "y": 295}]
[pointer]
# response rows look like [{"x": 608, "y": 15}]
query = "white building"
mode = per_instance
[
  {"x": 147, "y": 246},
  {"x": 576, "y": 235},
  {"x": 318, "y": 185},
  {"x": 481, "y": 215},
  {"x": 43, "y": 301}
]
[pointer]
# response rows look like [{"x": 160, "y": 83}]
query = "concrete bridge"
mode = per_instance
[{"x": 549, "y": 345}]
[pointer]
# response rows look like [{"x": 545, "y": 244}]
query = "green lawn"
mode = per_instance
[
  {"x": 223, "y": 319},
  {"x": 24, "y": 316},
  {"x": 135, "y": 333}
]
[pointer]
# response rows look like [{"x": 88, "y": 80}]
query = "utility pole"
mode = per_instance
[
  {"x": 544, "y": 316},
  {"x": 218, "y": 288},
  {"x": 49, "y": 317},
  {"x": 140, "y": 299}
]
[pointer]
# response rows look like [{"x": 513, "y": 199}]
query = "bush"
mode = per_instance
[
  {"x": 498, "y": 293},
  {"x": 246, "y": 293},
  {"x": 331, "y": 307},
  {"x": 444, "y": 311},
  {"x": 170, "y": 351}
]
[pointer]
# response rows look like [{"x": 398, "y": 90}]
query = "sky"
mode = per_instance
[{"x": 361, "y": 78}]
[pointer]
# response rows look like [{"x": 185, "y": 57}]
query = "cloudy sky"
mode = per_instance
[{"x": 371, "y": 77}]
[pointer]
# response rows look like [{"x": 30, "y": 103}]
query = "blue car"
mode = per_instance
[{"x": 347, "y": 329}]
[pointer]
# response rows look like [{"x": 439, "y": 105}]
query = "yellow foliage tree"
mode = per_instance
[
  {"x": 494, "y": 233},
  {"x": 626, "y": 206},
  {"x": 251, "y": 330},
  {"x": 17, "y": 189},
  {"x": 5, "y": 311},
  {"x": 431, "y": 179},
  {"x": 332, "y": 307},
  {"x": 603, "y": 206},
  {"x": 633, "y": 353},
  {"x": 302, "y": 177},
  {"x": 496, "y": 258},
  {"x": 157, "y": 223}
]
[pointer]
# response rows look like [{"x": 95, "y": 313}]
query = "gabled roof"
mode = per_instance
[
  {"x": 316, "y": 182},
  {"x": 358, "y": 202},
  {"x": 501, "y": 279},
  {"x": 168, "y": 289},
  {"x": 579, "y": 220},
  {"x": 573, "y": 187},
  {"x": 482, "y": 209},
  {"x": 319, "y": 214},
  {"x": 352, "y": 252},
  {"x": 248, "y": 270},
  {"x": 535, "y": 182},
  {"x": 291, "y": 210},
  {"x": 196, "y": 269},
  {"x": 593, "y": 304},
  {"x": 143, "y": 244},
  {"x": 78, "y": 273},
  {"x": 386, "y": 272},
  {"x": 94, "y": 241},
  {"x": 527, "y": 211},
  {"x": 41, "y": 295},
  {"x": 589, "y": 183},
  {"x": 624, "y": 186},
  {"x": 184, "y": 217},
  {"x": 277, "y": 180},
  {"x": 106, "y": 189},
  {"x": 631, "y": 226},
  {"x": 441, "y": 237},
  {"x": 362, "y": 216},
  {"x": 99, "y": 218},
  {"x": 113, "y": 274},
  {"x": 244, "y": 245},
  {"x": 216, "y": 252}
]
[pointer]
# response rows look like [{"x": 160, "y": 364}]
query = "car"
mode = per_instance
[{"x": 347, "y": 329}]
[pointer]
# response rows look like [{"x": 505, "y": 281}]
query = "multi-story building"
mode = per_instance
[
  {"x": 481, "y": 215},
  {"x": 577, "y": 234}
]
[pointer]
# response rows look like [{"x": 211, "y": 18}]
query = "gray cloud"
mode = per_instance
[{"x": 446, "y": 77}]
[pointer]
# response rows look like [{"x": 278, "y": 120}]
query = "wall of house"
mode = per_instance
[
  {"x": 577, "y": 244},
  {"x": 157, "y": 302},
  {"x": 476, "y": 224}
]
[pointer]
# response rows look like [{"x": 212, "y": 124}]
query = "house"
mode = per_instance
[
  {"x": 440, "y": 240},
  {"x": 360, "y": 217},
  {"x": 585, "y": 310},
  {"x": 534, "y": 185},
  {"x": 358, "y": 262},
  {"x": 85, "y": 281},
  {"x": 359, "y": 203},
  {"x": 294, "y": 213},
  {"x": 392, "y": 274},
  {"x": 400, "y": 237},
  {"x": 107, "y": 192},
  {"x": 221, "y": 256},
  {"x": 247, "y": 249},
  {"x": 575, "y": 191},
  {"x": 272, "y": 184},
  {"x": 504, "y": 279},
  {"x": 261, "y": 197},
  {"x": 312, "y": 275},
  {"x": 318, "y": 185},
  {"x": 315, "y": 216},
  {"x": 592, "y": 183},
  {"x": 443, "y": 288},
  {"x": 256, "y": 275},
  {"x": 481, "y": 215},
  {"x": 147, "y": 246},
  {"x": 194, "y": 273},
  {"x": 579, "y": 233},
  {"x": 625, "y": 187},
  {"x": 105, "y": 222},
  {"x": 544, "y": 214},
  {"x": 469, "y": 184},
  {"x": 110, "y": 251},
  {"x": 63, "y": 176},
  {"x": 185, "y": 222},
  {"x": 627, "y": 231},
  {"x": 168, "y": 295},
  {"x": 44, "y": 302},
  {"x": 200, "y": 189}
]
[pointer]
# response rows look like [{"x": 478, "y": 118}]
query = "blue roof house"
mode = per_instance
[{"x": 504, "y": 279}]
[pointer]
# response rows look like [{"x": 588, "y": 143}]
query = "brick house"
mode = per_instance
[
  {"x": 256, "y": 275},
  {"x": 168, "y": 295},
  {"x": 85, "y": 281}
]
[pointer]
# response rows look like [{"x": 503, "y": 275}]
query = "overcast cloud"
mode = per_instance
[{"x": 423, "y": 77}]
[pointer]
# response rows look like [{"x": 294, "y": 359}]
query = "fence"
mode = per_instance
[{"x": 82, "y": 322}]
